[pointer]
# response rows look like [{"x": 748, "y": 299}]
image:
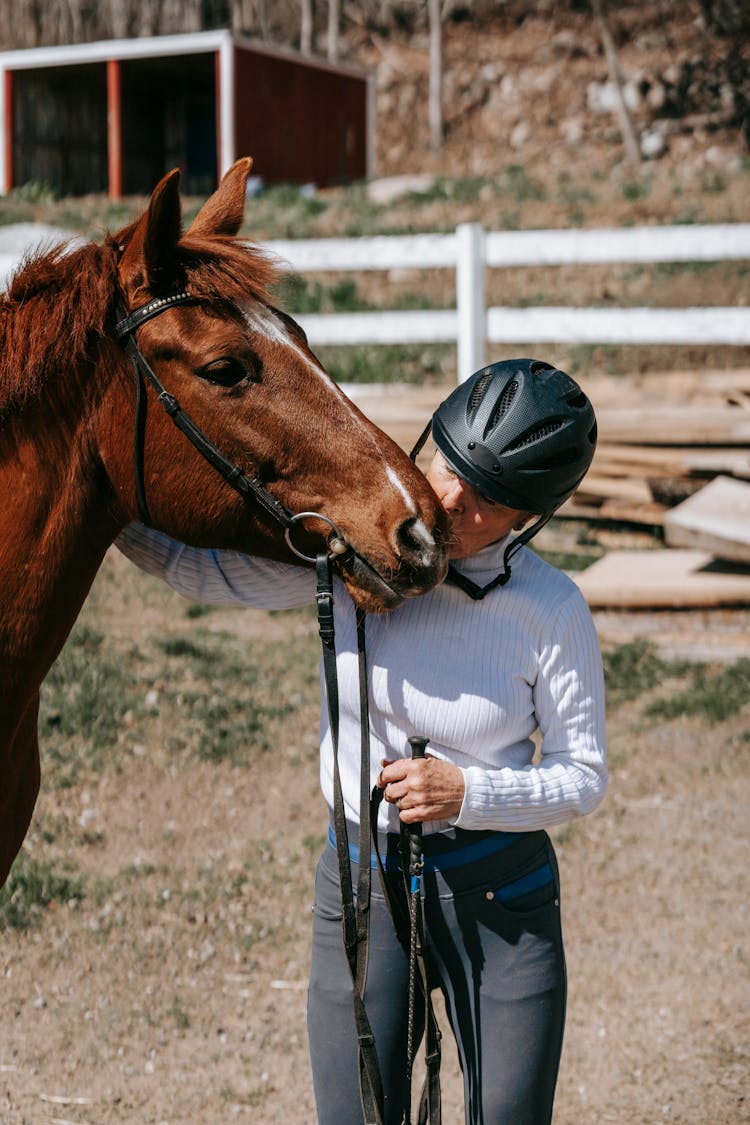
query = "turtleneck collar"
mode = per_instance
[{"x": 487, "y": 561}]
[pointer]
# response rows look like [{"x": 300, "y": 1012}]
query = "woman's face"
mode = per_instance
[{"x": 475, "y": 521}]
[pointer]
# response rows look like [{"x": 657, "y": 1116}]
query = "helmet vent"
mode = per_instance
[
  {"x": 478, "y": 392},
  {"x": 535, "y": 435},
  {"x": 577, "y": 401},
  {"x": 503, "y": 404},
  {"x": 558, "y": 460}
]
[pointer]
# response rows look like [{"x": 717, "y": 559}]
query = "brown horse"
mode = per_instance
[{"x": 243, "y": 372}]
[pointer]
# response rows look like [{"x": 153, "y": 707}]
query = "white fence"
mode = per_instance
[{"x": 470, "y": 325}]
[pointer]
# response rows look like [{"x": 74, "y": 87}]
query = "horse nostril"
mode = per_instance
[{"x": 415, "y": 542}]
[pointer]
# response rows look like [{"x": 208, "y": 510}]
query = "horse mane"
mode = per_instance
[
  {"x": 50, "y": 317},
  {"x": 59, "y": 307}
]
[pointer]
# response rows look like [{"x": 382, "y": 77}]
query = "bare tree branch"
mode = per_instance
[
  {"x": 632, "y": 149},
  {"x": 436, "y": 75},
  {"x": 334, "y": 16},
  {"x": 307, "y": 26}
]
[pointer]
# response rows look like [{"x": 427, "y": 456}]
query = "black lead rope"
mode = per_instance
[
  {"x": 354, "y": 915},
  {"x": 412, "y": 846}
]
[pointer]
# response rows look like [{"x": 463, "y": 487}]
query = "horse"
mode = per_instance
[{"x": 268, "y": 456}]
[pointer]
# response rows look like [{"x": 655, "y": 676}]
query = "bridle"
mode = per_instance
[{"x": 247, "y": 486}]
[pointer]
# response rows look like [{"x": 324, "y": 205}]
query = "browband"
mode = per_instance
[{"x": 152, "y": 308}]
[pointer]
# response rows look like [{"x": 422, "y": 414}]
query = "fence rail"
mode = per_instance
[{"x": 471, "y": 250}]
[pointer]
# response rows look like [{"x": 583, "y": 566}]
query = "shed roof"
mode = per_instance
[{"x": 195, "y": 42}]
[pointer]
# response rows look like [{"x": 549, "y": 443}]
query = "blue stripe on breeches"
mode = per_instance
[{"x": 494, "y": 948}]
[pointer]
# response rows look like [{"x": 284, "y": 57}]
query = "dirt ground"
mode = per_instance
[{"x": 172, "y": 989}]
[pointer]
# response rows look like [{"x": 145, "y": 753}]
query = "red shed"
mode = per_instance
[{"x": 116, "y": 115}]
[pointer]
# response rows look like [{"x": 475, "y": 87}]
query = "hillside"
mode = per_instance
[{"x": 530, "y": 84}]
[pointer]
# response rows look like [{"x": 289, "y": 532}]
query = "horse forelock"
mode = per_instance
[{"x": 224, "y": 269}]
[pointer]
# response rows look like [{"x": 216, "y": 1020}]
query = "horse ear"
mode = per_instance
[
  {"x": 223, "y": 212},
  {"x": 148, "y": 257}
]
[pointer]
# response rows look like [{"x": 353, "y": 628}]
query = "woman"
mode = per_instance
[{"x": 479, "y": 666}]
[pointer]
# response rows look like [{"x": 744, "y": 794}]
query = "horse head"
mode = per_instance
[{"x": 243, "y": 371}]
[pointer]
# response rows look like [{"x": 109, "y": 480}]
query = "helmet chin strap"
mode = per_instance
[
  {"x": 475, "y": 592},
  {"x": 421, "y": 440}
]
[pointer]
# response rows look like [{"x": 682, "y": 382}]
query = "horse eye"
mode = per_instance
[{"x": 224, "y": 372}]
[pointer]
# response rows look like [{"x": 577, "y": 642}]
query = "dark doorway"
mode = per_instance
[
  {"x": 169, "y": 121},
  {"x": 60, "y": 128}
]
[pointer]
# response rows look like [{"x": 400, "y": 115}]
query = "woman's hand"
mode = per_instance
[{"x": 422, "y": 788}]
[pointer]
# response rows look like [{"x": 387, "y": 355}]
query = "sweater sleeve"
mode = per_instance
[
  {"x": 569, "y": 776},
  {"x": 217, "y": 577}
]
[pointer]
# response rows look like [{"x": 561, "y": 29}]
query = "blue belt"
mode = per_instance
[
  {"x": 526, "y": 884},
  {"x": 445, "y": 860}
]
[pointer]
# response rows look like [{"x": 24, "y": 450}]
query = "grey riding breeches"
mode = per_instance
[{"x": 494, "y": 947}]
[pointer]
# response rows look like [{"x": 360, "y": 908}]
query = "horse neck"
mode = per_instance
[{"x": 55, "y": 527}]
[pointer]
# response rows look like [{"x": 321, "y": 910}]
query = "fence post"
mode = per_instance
[{"x": 470, "y": 301}]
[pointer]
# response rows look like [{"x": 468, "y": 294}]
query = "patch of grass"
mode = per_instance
[
  {"x": 35, "y": 191},
  {"x": 633, "y": 190},
  {"x": 179, "y": 1015},
  {"x": 577, "y": 194},
  {"x": 225, "y": 700},
  {"x": 72, "y": 218},
  {"x": 280, "y": 211},
  {"x": 516, "y": 182},
  {"x": 10, "y": 215},
  {"x": 372, "y": 363},
  {"x": 199, "y": 610},
  {"x": 568, "y": 560},
  {"x": 33, "y": 887},
  {"x": 715, "y": 182},
  {"x": 674, "y": 269},
  {"x": 715, "y": 696},
  {"x": 458, "y": 189},
  {"x": 631, "y": 670},
  {"x": 691, "y": 214},
  {"x": 83, "y": 701},
  {"x": 298, "y": 295}
]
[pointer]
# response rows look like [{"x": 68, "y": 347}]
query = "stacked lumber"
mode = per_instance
[
  {"x": 663, "y": 439},
  {"x": 679, "y": 461}
]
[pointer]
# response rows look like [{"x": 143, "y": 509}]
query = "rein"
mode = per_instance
[{"x": 355, "y": 909}]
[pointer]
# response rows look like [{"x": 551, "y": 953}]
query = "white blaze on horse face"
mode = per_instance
[{"x": 263, "y": 320}]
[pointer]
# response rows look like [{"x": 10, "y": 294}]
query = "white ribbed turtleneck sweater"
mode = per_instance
[{"x": 475, "y": 678}]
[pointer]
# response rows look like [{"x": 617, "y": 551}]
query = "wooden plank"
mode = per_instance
[
  {"x": 612, "y": 511},
  {"x": 674, "y": 386},
  {"x": 650, "y": 514},
  {"x": 672, "y": 460},
  {"x": 660, "y": 424},
  {"x": 596, "y": 486},
  {"x": 662, "y": 579},
  {"x": 717, "y": 519}
]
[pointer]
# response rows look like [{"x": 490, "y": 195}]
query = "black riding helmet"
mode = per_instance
[{"x": 521, "y": 432}]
